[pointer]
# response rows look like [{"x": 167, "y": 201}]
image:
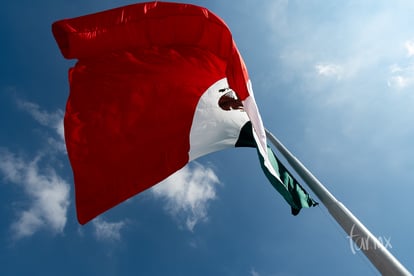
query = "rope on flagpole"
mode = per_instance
[{"x": 373, "y": 249}]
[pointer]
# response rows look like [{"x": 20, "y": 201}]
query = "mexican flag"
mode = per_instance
[{"x": 156, "y": 85}]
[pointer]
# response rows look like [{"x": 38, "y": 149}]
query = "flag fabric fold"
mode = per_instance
[
  {"x": 156, "y": 85},
  {"x": 278, "y": 175}
]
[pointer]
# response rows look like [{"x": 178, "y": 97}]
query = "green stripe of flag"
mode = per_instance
[{"x": 283, "y": 182}]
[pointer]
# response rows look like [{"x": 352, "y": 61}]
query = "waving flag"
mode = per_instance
[{"x": 156, "y": 85}]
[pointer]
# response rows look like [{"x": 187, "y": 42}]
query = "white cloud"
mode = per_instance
[
  {"x": 402, "y": 74},
  {"x": 253, "y": 272},
  {"x": 48, "y": 195},
  {"x": 401, "y": 81},
  {"x": 53, "y": 120},
  {"x": 187, "y": 193},
  {"x": 276, "y": 16},
  {"x": 47, "y": 201},
  {"x": 108, "y": 231},
  {"x": 359, "y": 43},
  {"x": 409, "y": 46},
  {"x": 329, "y": 70}
]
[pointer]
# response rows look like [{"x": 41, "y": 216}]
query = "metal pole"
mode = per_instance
[{"x": 375, "y": 251}]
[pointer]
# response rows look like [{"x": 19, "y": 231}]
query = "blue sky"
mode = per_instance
[{"x": 333, "y": 81}]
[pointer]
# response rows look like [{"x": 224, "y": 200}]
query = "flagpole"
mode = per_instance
[{"x": 364, "y": 240}]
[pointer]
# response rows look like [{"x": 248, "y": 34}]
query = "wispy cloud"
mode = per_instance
[
  {"x": 52, "y": 120},
  {"x": 402, "y": 74},
  {"x": 253, "y": 272},
  {"x": 47, "y": 194},
  {"x": 187, "y": 193},
  {"x": 403, "y": 79},
  {"x": 409, "y": 46},
  {"x": 359, "y": 43},
  {"x": 108, "y": 231},
  {"x": 277, "y": 15},
  {"x": 329, "y": 70}
]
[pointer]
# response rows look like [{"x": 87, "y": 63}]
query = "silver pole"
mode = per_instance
[{"x": 375, "y": 251}]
